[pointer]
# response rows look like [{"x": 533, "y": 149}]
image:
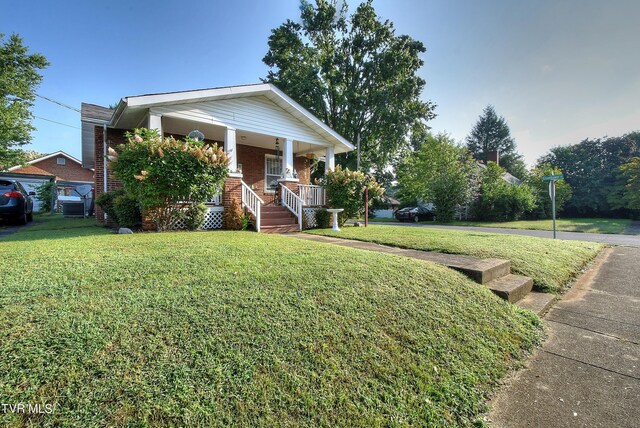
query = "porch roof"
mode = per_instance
[{"x": 131, "y": 111}]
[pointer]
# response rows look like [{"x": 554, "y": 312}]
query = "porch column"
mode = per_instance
[
  {"x": 230, "y": 148},
  {"x": 287, "y": 158},
  {"x": 155, "y": 122},
  {"x": 330, "y": 161}
]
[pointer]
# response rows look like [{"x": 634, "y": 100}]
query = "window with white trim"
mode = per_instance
[
  {"x": 61, "y": 161},
  {"x": 272, "y": 172}
]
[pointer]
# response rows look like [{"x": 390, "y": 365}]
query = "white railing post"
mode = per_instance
[
  {"x": 292, "y": 202},
  {"x": 312, "y": 195},
  {"x": 252, "y": 202}
]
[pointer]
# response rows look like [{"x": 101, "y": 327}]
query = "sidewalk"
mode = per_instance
[
  {"x": 587, "y": 374},
  {"x": 605, "y": 238}
]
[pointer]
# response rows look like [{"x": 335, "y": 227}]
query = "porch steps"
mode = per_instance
[
  {"x": 495, "y": 274},
  {"x": 276, "y": 219}
]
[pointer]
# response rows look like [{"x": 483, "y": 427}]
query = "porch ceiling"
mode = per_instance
[{"x": 212, "y": 132}]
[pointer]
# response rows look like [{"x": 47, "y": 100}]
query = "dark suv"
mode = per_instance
[{"x": 15, "y": 202}]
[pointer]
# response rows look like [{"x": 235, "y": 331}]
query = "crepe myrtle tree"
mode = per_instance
[
  {"x": 168, "y": 176},
  {"x": 346, "y": 188}
]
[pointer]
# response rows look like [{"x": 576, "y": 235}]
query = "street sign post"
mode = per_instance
[
  {"x": 552, "y": 194},
  {"x": 553, "y": 177}
]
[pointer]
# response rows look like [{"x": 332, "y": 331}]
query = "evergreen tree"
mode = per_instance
[{"x": 491, "y": 133}]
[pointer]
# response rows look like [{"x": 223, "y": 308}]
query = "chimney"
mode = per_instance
[{"x": 493, "y": 156}]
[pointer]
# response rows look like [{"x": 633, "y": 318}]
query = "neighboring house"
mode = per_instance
[
  {"x": 60, "y": 167},
  {"x": 508, "y": 177},
  {"x": 389, "y": 206},
  {"x": 269, "y": 138}
]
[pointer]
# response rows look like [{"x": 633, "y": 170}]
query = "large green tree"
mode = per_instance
[
  {"x": 354, "y": 73},
  {"x": 591, "y": 169},
  {"x": 540, "y": 188},
  {"x": 626, "y": 191},
  {"x": 491, "y": 133},
  {"x": 19, "y": 78},
  {"x": 438, "y": 172}
]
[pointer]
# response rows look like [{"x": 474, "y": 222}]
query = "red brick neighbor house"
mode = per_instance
[
  {"x": 61, "y": 167},
  {"x": 269, "y": 138}
]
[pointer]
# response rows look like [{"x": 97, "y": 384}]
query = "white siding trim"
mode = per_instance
[{"x": 255, "y": 114}]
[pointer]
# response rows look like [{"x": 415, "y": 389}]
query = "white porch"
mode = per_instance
[{"x": 270, "y": 141}]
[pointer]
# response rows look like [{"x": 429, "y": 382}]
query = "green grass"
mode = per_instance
[
  {"x": 245, "y": 329},
  {"x": 382, "y": 220},
  {"x": 551, "y": 263},
  {"x": 587, "y": 225}
]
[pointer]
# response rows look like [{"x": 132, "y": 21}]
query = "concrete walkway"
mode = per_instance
[
  {"x": 612, "y": 239},
  {"x": 587, "y": 374}
]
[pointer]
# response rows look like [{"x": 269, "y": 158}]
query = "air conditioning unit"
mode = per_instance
[{"x": 73, "y": 209}]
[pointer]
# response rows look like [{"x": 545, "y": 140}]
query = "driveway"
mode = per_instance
[
  {"x": 611, "y": 239},
  {"x": 9, "y": 229},
  {"x": 587, "y": 373}
]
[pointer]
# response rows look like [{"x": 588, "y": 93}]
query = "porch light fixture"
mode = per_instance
[
  {"x": 278, "y": 151},
  {"x": 196, "y": 135}
]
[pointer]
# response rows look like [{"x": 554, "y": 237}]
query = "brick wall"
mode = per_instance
[
  {"x": 253, "y": 163},
  {"x": 115, "y": 137},
  {"x": 251, "y": 158},
  {"x": 70, "y": 171}
]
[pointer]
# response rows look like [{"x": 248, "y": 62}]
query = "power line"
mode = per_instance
[
  {"x": 58, "y": 102},
  {"x": 59, "y": 123}
]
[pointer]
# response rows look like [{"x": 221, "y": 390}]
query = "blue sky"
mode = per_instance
[{"x": 559, "y": 71}]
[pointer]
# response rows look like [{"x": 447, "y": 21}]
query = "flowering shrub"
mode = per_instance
[
  {"x": 166, "y": 175},
  {"x": 345, "y": 189}
]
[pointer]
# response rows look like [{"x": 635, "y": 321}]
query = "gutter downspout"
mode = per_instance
[{"x": 104, "y": 161}]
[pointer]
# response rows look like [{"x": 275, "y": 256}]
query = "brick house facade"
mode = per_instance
[
  {"x": 249, "y": 122},
  {"x": 61, "y": 165}
]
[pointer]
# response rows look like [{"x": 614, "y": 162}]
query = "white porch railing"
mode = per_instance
[
  {"x": 216, "y": 200},
  {"x": 293, "y": 202},
  {"x": 313, "y": 196},
  {"x": 252, "y": 202}
]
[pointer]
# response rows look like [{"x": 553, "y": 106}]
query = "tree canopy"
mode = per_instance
[
  {"x": 591, "y": 169},
  {"x": 626, "y": 192},
  {"x": 19, "y": 78},
  {"x": 491, "y": 133},
  {"x": 438, "y": 172},
  {"x": 354, "y": 73}
]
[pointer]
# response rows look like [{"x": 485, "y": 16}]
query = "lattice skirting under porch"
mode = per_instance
[
  {"x": 310, "y": 216},
  {"x": 212, "y": 219}
]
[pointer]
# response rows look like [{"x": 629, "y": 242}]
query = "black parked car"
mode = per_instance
[
  {"x": 15, "y": 202},
  {"x": 414, "y": 214}
]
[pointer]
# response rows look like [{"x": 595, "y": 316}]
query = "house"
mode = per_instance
[
  {"x": 61, "y": 167},
  {"x": 269, "y": 138}
]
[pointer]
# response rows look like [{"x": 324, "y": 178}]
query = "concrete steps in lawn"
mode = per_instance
[
  {"x": 495, "y": 274},
  {"x": 537, "y": 302},
  {"x": 511, "y": 288}
]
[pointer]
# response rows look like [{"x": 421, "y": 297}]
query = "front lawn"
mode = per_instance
[
  {"x": 246, "y": 329},
  {"x": 551, "y": 263},
  {"x": 588, "y": 225}
]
